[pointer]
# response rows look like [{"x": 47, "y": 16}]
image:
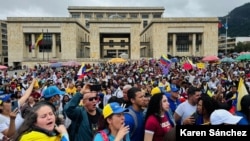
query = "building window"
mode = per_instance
[
  {"x": 197, "y": 48},
  {"x": 145, "y": 23},
  {"x": 87, "y": 16},
  {"x": 99, "y": 16},
  {"x": 122, "y": 43},
  {"x": 134, "y": 16},
  {"x": 46, "y": 44},
  {"x": 111, "y": 43},
  {"x": 87, "y": 23},
  {"x": 182, "y": 42},
  {"x": 111, "y": 53},
  {"x": 75, "y": 15},
  {"x": 144, "y": 16},
  {"x": 157, "y": 16},
  {"x": 122, "y": 15}
]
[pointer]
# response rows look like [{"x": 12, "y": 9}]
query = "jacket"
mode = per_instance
[{"x": 80, "y": 128}]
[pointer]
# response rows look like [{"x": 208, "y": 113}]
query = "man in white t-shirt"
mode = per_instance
[{"x": 184, "y": 111}]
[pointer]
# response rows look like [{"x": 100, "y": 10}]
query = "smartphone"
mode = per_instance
[
  {"x": 14, "y": 105},
  {"x": 96, "y": 87}
]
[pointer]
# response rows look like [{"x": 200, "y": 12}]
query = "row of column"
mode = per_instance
[{"x": 36, "y": 49}]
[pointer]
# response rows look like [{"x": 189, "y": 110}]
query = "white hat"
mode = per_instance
[{"x": 222, "y": 116}]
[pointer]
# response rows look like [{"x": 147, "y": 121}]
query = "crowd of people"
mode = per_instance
[{"x": 140, "y": 100}]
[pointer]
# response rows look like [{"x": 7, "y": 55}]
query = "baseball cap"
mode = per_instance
[
  {"x": 222, "y": 116},
  {"x": 52, "y": 91},
  {"x": 174, "y": 89},
  {"x": 5, "y": 98},
  {"x": 155, "y": 90},
  {"x": 112, "y": 108}
]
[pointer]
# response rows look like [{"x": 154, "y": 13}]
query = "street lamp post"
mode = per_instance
[{"x": 226, "y": 27}]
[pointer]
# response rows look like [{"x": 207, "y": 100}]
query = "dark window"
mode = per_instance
[
  {"x": 134, "y": 16},
  {"x": 157, "y": 16},
  {"x": 99, "y": 16},
  {"x": 145, "y": 23},
  {"x": 182, "y": 42},
  {"x": 87, "y": 16},
  {"x": 111, "y": 43},
  {"x": 87, "y": 24},
  {"x": 75, "y": 15},
  {"x": 144, "y": 16},
  {"x": 122, "y": 43}
]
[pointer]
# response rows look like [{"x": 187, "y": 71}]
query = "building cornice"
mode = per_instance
[
  {"x": 182, "y": 20},
  {"x": 45, "y": 20}
]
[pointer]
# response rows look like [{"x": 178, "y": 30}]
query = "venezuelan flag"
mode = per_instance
[
  {"x": 164, "y": 60},
  {"x": 84, "y": 70}
]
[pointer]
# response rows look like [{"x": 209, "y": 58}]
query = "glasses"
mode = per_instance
[{"x": 93, "y": 98}]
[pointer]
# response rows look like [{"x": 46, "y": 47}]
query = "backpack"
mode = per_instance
[
  {"x": 104, "y": 135},
  {"x": 132, "y": 113}
]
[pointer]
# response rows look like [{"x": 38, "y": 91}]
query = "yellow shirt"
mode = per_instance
[
  {"x": 71, "y": 91},
  {"x": 39, "y": 136}
]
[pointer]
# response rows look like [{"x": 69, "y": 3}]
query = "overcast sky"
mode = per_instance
[{"x": 173, "y": 8}]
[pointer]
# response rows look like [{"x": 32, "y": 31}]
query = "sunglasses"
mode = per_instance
[{"x": 93, "y": 98}]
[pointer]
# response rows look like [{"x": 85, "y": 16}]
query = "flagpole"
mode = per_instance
[{"x": 226, "y": 35}]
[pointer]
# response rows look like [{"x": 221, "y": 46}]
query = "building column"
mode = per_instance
[
  {"x": 193, "y": 44},
  {"x": 174, "y": 45},
  {"x": 54, "y": 45},
  {"x": 33, "y": 44}
]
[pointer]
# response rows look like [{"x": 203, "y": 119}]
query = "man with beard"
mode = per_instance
[{"x": 84, "y": 118}]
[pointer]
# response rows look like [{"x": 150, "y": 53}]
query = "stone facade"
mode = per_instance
[{"x": 87, "y": 33}]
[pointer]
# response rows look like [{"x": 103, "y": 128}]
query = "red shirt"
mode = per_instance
[{"x": 159, "y": 129}]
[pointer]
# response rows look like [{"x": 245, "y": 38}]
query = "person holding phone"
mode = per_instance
[
  {"x": 41, "y": 125},
  {"x": 10, "y": 116},
  {"x": 84, "y": 119}
]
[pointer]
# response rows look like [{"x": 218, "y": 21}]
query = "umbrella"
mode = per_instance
[
  {"x": 243, "y": 57},
  {"x": 2, "y": 67},
  {"x": 175, "y": 60},
  {"x": 56, "y": 65},
  {"x": 117, "y": 60},
  {"x": 210, "y": 58},
  {"x": 187, "y": 66},
  {"x": 227, "y": 60},
  {"x": 71, "y": 63}
]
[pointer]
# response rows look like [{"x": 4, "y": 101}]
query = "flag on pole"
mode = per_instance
[
  {"x": 164, "y": 60},
  {"x": 39, "y": 40},
  {"x": 242, "y": 91},
  {"x": 84, "y": 70}
]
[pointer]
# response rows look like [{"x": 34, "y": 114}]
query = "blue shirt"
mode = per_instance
[
  {"x": 98, "y": 136},
  {"x": 139, "y": 131},
  {"x": 173, "y": 104}
]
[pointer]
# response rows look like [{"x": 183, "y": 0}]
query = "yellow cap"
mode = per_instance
[{"x": 155, "y": 90}]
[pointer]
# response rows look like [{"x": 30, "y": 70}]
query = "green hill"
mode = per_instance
[{"x": 238, "y": 21}]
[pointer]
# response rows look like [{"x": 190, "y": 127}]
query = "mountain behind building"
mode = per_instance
[{"x": 238, "y": 22}]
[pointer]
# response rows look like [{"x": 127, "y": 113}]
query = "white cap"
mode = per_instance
[{"x": 222, "y": 116}]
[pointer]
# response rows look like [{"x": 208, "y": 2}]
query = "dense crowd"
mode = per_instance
[{"x": 137, "y": 100}]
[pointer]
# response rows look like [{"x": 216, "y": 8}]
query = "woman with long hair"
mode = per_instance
[
  {"x": 111, "y": 124},
  {"x": 41, "y": 124},
  {"x": 158, "y": 122}
]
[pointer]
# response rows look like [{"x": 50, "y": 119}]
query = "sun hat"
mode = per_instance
[
  {"x": 113, "y": 108},
  {"x": 223, "y": 116},
  {"x": 52, "y": 91}
]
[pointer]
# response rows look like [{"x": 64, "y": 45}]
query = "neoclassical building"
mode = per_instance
[{"x": 98, "y": 33}]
